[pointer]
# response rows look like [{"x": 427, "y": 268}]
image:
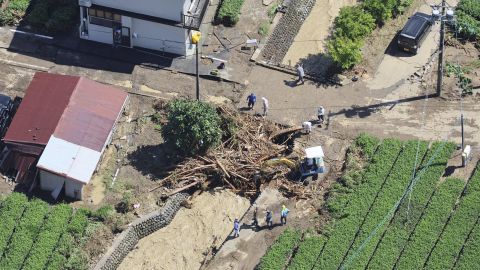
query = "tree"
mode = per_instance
[
  {"x": 381, "y": 10},
  {"x": 354, "y": 23},
  {"x": 193, "y": 126},
  {"x": 344, "y": 51}
]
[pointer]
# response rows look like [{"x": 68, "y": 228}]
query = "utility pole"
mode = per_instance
[
  {"x": 441, "y": 50},
  {"x": 196, "y": 68},
  {"x": 196, "y": 40}
]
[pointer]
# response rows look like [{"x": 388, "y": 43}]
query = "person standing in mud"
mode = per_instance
[
  {"x": 255, "y": 219},
  {"x": 236, "y": 228},
  {"x": 269, "y": 219},
  {"x": 283, "y": 215}
]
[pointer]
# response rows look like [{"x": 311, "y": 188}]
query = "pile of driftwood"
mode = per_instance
[{"x": 238, "y": 163}]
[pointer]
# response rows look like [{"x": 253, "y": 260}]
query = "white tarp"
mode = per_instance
[
  {"x": 68, "y": 159},
  {"x": 314, "y": 152}
]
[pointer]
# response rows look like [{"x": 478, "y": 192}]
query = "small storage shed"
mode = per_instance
[{"x": 68, "y": 121}]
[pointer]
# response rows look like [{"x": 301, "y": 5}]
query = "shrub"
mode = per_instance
[
  {"x": 229, "y": 12},
  {"x": 353, "y": 23},
  {"x": 277, "y": 255},
  {"x": 344, "y": 51},
  {"x": 467, "y": 26},
  {"x": 471, "y": 7},
  {"x": 381, "y": 10},
  {"x": 55, "y": 16},
  {"x": 192, "y": 126},
  {"x": 263, "y": 29},
  {"x": 103, "y": 212}
]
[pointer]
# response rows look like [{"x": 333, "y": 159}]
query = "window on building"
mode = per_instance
[{"x": 103, "y": 18}]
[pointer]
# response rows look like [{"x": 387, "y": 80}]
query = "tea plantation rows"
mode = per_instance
[
  {"x": 36, "y": 236},
  {"x": 386, "y": 215}
]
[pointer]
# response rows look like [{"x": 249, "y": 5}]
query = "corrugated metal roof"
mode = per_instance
[
  {"x": 91, "y": 114},
  {"x": 45, "y": 100},
  {"x": 69, "y": 160}
]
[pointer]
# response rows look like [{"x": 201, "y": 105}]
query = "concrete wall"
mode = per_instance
[
  {"x": 127, "y": 240},
  {"x": 166, "y": 9},
  {"x": 159, "y": 37}
]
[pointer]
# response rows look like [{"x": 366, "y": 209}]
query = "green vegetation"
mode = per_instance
[
  {"x": 382, "y": 226},
  {"x": 447, "y": 249},
  {"x": 278, "y": 254},
  {"x": 307, "y": 253},
  {"x": 354, "y": 24},
  {"x": 192, "y": 127},
  {"x": 410, "y": 210},
  {"x": 459, "y": 72},
  {"x": 229, "y": 12},
  {"x": 468, "y": 19},
  {"x": 36, "y": 236},
  {"x": 431, "y": 225},
  {"x": 55, "y": 16},
  {"x": 14, "y": 11},
  {"x": 359, "y": 204},
  {"x": 263, "y": 29},
  {"x": 11, "y": 211}
]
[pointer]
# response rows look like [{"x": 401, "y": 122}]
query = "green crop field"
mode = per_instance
[
  {"x": 399, "y": 213},
  {"x": 36, "y": 236}
]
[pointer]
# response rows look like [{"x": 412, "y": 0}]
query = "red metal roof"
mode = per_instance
[
  {"x": 72, "y": 108},
  {"x": 45, "y": 100},
  {"x": 91, "y": 114}
]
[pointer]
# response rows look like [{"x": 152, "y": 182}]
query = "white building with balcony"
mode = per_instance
[{"x": 161, "y": 25}]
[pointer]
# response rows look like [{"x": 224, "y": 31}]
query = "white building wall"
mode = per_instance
[
  {"x": 74, "y": 189},
  {"x": 159, "y": 37},
  {"x": 49, "y": 181},
  {"x": 99, "y": 33},
  {"x": 166, "y": 9}
]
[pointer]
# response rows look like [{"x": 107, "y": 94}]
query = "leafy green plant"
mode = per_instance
[
  {"x": 12, "y": 209},
  {"x": 469, "y": 257},
  {"x": 410, "y": 211},
  {"x": 431, "y": 225},
  {"x": 263, "y": 29},
  {"x": 193, "y": 126},
  {"x": 54, "y": 16},
  {"x": 307, "y": 253},
  {"x": 464, "y": 82},
  {"x": 359, "y": 203},
  {"x": 272, "y": 10},
  {"x": 381, "y": 10},
  {"x": 448, "y": 248},
  {"x": 344, "y": 51},
  {"x": 353, "y": 23},
  {"x": 229, "y": 12},
  {"x": 103, "y": 212},
  {"x": 278, "y": 254},
  {"x": 47, "y": 239},
  {"x": 24, "y": 236}
]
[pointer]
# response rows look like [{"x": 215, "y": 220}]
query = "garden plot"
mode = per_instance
[
  {"x": 437, "y": 227},
  {"x": 37, "y": 237}
]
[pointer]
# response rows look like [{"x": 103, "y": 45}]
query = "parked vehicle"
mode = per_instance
[{"x": 414, "y": 32}]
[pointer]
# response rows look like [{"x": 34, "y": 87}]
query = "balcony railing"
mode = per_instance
[{"x": 194, "y": 19}]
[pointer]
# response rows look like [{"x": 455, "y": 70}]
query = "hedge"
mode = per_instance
[
  {"x": 229, "y": 12},
  {"x": 410, "y": 211},
  {"x": 359, "y": 205},
  {"x": 25, "y": 234},
  {"x": 431, "y": 225},
  {"x": 278, "y": 254},
  {"x": 48, "y": 238},
  {"x": 393, "y": 190},
  {"x": 447, "y": 249}
]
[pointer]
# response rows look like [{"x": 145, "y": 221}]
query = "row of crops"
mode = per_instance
[
  {"x": 402, "y": 215},
  {"x": 35, "y": 236}
]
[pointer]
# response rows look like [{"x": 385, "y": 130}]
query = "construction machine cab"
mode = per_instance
[{"x": 312, "y": 163}]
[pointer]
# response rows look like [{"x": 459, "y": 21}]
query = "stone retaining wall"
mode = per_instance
[
  {"x": 287, "y": 28},
  {"x": 146, "y": 225}
]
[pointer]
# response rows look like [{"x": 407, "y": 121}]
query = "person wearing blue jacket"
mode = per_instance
[
  {"x": 236, "y": 228},
  {"x": 251, "y": 100}
]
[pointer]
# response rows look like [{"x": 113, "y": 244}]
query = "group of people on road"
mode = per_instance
[
  {"x": 268, "y": 220},
  {"x": 252, "y": 99}
]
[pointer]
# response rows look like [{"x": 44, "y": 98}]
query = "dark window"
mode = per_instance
[{"x": 101, "y": 22}]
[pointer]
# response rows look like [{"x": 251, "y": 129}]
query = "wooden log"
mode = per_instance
[
  {"x": 182, "y": 188},
  {"x": 284, "y": 131}
]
